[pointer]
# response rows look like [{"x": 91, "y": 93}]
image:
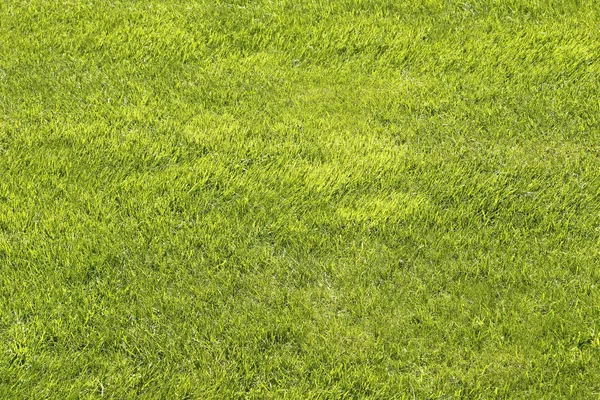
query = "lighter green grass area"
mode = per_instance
[{"x": 299, "y": 199}]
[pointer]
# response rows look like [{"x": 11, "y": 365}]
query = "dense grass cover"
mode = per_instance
[{"x": 299, "y": 199}]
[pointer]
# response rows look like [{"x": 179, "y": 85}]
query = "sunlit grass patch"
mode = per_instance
[{"x": 358, "y": 199}]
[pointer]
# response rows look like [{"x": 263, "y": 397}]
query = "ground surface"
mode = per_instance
[{"x": 297, "y": 199}]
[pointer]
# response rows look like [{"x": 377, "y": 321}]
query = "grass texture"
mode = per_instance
[{"x": 299, "y": 199}]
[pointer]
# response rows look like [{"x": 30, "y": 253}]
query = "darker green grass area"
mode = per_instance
[{"x": 352, "y": 199}]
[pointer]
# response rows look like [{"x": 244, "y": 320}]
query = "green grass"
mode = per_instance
[{"x": 300, "y": 199}]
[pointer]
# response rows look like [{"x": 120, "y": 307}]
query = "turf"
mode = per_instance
[{"x": 299, "y": 199}]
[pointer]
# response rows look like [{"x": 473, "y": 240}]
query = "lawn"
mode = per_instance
[{"x": 299, "y": 199}]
